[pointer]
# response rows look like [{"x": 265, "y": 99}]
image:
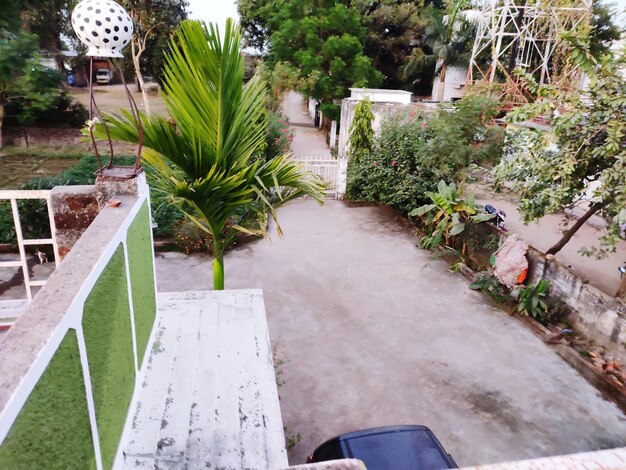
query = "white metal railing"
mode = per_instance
[{"x": 13, "y": 196}]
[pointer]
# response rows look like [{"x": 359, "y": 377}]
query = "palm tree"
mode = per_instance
[
  {"x": 205, "y": 157},
  {"x": 449, "y": 36}
]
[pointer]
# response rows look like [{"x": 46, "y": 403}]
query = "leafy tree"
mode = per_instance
[
  {"x": 10, "y": 18},
  {"x": 254, "y": 16},
  {"x": 205, "y": 160},
  {"x": 603, "y": 30},
  {"x": 449, "y": 35},
  {"x": 584, "y": 152},
  {"x": 394, "y": 32},
  {"x": 22, "y": 76},
  {"x": 154, "y": 21},
  {"x": 324, "y": 41},
  {"x": 49, "y": 20},
  {"x": 361, "y": 132},
  {"x": 281, "y": 79}
]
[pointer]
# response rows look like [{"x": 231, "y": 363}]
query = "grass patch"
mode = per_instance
[
  {"x": 107, "y": 329},
  {"x": 140, "y": 258},
  {"x": 53, "y": 430}
]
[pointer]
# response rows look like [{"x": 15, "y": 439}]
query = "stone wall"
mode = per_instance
[
  {"x": 29, "y": 136},
  {"x": 74, "y": 208},
  {"x": 594, "y": 313}
]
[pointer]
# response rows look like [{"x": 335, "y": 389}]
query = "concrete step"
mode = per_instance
[{"x": 208, "y": 393}]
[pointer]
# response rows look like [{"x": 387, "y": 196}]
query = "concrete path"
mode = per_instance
[
  {"x": 374, "y": 332},
  {"x": 308, "y": 140}
]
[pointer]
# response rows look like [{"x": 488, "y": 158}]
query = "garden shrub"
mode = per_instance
[
  {"x": 64, "y": 111},
  {"x": 279, "y": 136},
  {"x": 413, "y": 153},
  {"x": 402, "y": 167}
]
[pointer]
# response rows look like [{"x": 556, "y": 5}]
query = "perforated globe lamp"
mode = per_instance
[
  {"x": 106, "y": 28},
  {"x": 103, "y": 26}
]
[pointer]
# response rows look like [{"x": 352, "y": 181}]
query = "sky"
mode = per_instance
[
  {"x": 215, "y": 11},
  {"x": 219, "y": 10}
]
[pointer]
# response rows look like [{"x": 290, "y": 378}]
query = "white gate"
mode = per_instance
[{"x": 326, "y": 167}]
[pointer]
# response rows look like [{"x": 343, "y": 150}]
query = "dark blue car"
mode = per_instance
[{"x": 388, "y": 448}]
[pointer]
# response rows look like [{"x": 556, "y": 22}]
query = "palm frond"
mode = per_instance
[{"x": 204, "y": 159}]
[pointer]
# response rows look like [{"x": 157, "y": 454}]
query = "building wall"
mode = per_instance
[
  {"x": 594, "y": 313},
  {"x": 380, "y": 110},
  {"x": 454, "y": 86},
  {"x": 56, "y": 395}
]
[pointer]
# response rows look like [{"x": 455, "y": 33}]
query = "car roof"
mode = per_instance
[{"x": 396, "y": 447}]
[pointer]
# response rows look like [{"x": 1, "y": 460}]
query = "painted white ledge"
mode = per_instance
[{"x": 207, "y": 393}]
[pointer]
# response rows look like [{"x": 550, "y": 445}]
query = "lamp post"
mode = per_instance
[{"x": 106, "y": 28}]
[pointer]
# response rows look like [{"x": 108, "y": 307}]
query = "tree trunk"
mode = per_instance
[
  {"x": 442, "y": 83},
  {"x": 136, "y": 52},
  {"x": 567, "y": 236},
  {"x": 1, "y": 120},
  {"x": 218, "y": 265},
  {"x": 621, "y": 292}
]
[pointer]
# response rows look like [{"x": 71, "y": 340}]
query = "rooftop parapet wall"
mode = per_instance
[{"x": 69, "y": 364}]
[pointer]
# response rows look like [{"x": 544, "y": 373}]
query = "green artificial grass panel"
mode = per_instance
[
  {"x": 141, "y": 264},
  {"x": 52, "y": 430},
  {"x": 108, "y": 336}
]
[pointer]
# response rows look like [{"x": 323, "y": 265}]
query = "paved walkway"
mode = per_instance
[
  {"x": 377, "y": 332},
  {"x": 308, "y": 140},
  {"x": 374, "y": 332}
]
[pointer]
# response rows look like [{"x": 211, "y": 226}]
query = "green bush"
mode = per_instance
[
  {"x": 63, "y": 111},
  {"x": 532, "y": 300},
  {"x": 279, "y": 136},
  {"x": 414, "y": 152},
  {"x": 34, "y": 215}
]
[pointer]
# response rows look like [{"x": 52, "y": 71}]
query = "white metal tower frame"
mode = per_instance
[{"x": 531, "y": 26}]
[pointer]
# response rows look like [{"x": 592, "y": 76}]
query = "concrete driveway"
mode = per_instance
[{"x": 377, "y": 332}]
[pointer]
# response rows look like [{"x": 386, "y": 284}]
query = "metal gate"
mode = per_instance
[{"x": 325, "y": 166}]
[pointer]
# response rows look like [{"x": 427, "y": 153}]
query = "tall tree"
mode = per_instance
[
  {"x": 205, "y": 160},
  {"x": 254, "y": 16},
  {"x": 394, "y": 31},
  {"x": 324, "y": 40},
  {"x": 449, "y": 36},
  {"x": 154, "y": 21},
  {"x": 49, "y": 20},
  {"x": 604, "y": 31},
  {"x": 583, "y": 154}
]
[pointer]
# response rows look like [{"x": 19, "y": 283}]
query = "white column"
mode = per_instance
[
  {"x": 333, "y": 134},
  {"x": 342, "y": 177}
]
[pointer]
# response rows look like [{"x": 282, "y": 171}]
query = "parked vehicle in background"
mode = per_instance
[
  {"x": 388, "y": 448},
  {"x": 103, "y": 76}
]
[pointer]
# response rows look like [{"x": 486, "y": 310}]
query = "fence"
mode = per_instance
[
  {"x": 68, "y": 367},
  {"x": 325, "y": 167},
  {"x": 13, "y": 197}
]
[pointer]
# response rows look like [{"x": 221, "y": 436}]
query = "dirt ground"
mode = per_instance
[
  {"x": 111, "y": 98},
  {"x": 18, "y": 169},
  {"x": 601, "y": 273}
]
